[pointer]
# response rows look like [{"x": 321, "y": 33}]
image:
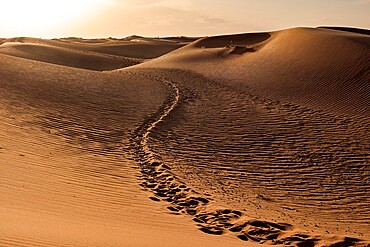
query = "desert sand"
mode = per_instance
[{"x": 250, "y": 139}]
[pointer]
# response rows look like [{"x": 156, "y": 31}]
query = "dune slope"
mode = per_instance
[
  {"x": 274, "y": 126},
  {"x": 66, "y": 57},
  {"x": 262, "y": 170},
  {"x": 319, "y": 68},
  {"x": 67, "y": 173},
  {"x": 133, "y": 47}
]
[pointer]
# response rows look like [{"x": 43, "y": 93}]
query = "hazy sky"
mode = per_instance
[{"x": 118, "y": 18}]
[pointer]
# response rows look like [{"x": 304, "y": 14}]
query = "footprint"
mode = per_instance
[
  {"x": 154, "y": 198},
  {"x": 212, "y": 230}
]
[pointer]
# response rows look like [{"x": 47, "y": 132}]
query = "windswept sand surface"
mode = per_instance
[
  {"x": 67, "y": 175},
  {"x": 254, "y": 139}
]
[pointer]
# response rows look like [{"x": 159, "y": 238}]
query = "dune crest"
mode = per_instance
[{"x": 318, "y": 68}]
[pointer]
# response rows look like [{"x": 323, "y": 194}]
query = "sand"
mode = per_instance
[
  {"x": 238, "y": 140},
  {"x": 316, "y": 68},
  {"x": 67, "y": 176},
  {"x": 133, "y": 46}
]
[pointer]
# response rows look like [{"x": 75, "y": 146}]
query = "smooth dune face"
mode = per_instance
[
  {"x": 64, "y": 56},
  {"x": 257, "y": 139},
  {"x": 318, "y": 68}
]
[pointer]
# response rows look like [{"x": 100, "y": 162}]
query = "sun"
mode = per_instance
[{"x": 25, "y": 17}]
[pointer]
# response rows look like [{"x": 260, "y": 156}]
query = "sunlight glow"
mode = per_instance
[{"x": 37, "y": 16}]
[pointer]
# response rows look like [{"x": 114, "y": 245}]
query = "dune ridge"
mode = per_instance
[
  {"x": 349, "y": 29},
  {"x": 318, "y": 68}
]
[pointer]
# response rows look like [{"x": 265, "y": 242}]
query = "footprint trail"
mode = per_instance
[{"x": 211, "y": 219}]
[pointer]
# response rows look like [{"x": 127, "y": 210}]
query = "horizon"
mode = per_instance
[
  {"x": 169, "y": 18},
  {"x": 185, "y": 36}
]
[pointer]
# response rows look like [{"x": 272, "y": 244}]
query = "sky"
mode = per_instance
[{"x": 121, "y": 18}]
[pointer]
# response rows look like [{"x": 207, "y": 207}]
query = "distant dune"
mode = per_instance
[
  {"x": 252, "y": 139},
  {"x": 134, "y": 47},
  {"x": 65, "y": 56}
]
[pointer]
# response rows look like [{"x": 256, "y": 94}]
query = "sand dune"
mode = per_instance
[
  {"x": 277, "y": 124},
  {"x": 269, "y": 162},
  {"x": 67, "y": 57},
  {"x": 96, "y": 54},
  {"x": 234, "y": 140},
  {"x": 67, "y": 175},
  {"x": 132, "y": 47},
  {"x": 315, "y": 67}
]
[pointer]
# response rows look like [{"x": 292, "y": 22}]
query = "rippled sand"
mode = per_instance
[
  {"x": 258, "y": 141},
  {"x": 277, "y": 161}
]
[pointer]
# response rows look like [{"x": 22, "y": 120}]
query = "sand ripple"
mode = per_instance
[{"x": 246, "y": 147}]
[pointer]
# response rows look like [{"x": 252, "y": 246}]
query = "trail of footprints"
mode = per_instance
[{"x": 157, "y": 177}]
